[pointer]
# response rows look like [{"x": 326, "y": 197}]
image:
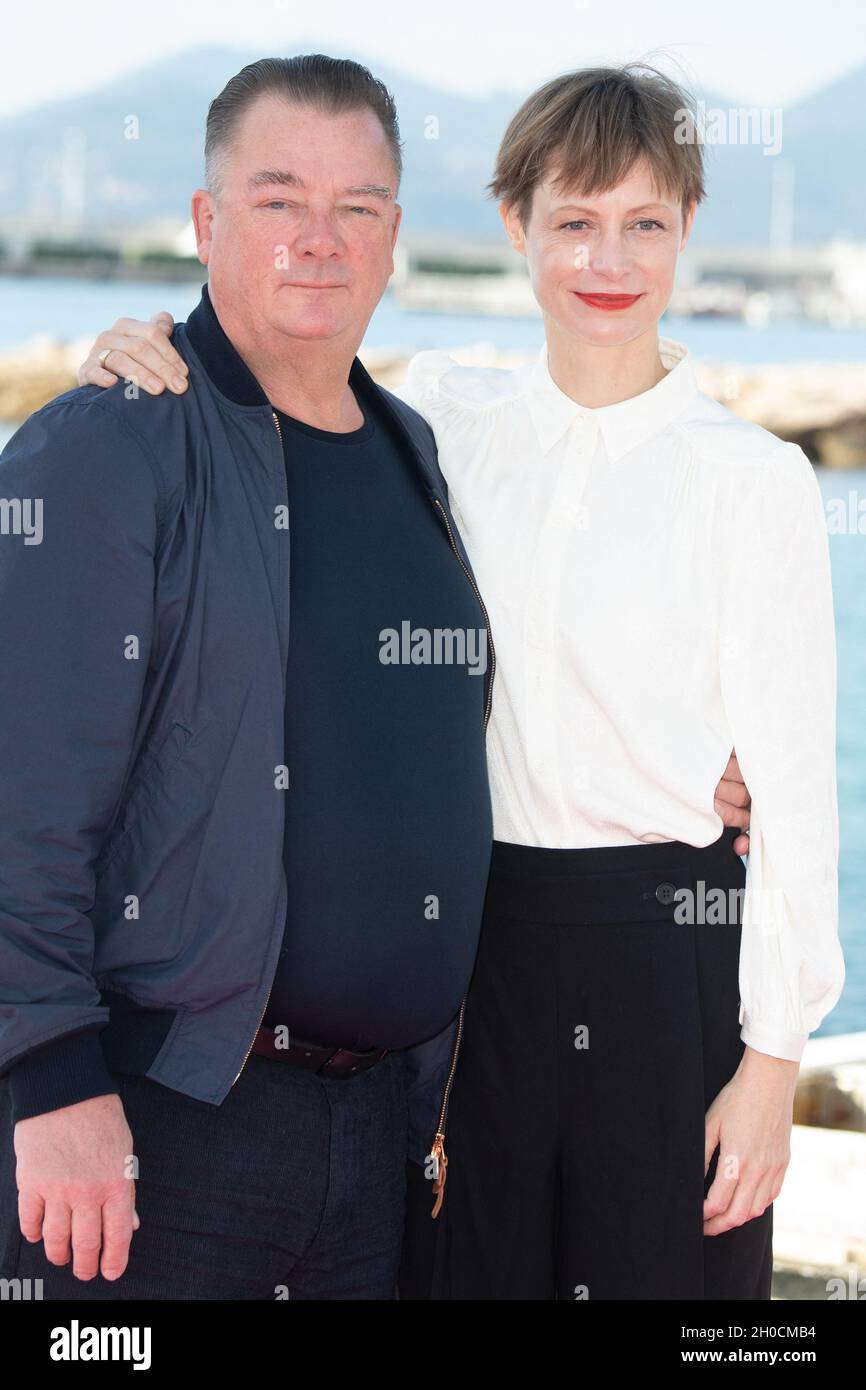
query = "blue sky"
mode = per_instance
[{"x": 764, "y": 51}]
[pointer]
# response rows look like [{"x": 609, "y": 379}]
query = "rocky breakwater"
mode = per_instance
[{"x": 820, "y": 406}]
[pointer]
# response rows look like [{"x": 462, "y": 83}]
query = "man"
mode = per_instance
[{"x": 245, "y": 844}]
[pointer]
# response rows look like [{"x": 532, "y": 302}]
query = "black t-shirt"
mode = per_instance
[{"x": 388, "y": 821}]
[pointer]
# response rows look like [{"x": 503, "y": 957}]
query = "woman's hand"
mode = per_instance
[
  {"x": 140, "y": 352},
  {"x": 750, "y": 1119}
]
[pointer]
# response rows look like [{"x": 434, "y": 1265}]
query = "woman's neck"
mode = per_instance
[{"x": 596, "y": 376}]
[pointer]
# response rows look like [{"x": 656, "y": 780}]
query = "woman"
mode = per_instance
[{"x": 658, "y": 582}]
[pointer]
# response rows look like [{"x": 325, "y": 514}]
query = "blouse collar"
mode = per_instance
[{"x": 623, "y": 425}]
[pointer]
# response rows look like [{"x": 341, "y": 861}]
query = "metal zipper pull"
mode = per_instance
[
  {"x": 438, "y": 1149},
  {"x": 438, "y": 1152}
]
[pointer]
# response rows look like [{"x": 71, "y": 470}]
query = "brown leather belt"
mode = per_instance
[{"x": 326, "y": 1061}]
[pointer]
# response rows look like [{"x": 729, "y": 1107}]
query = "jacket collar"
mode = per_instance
[
  {"x": 624, "y": 425},
  {"x": 233, "y": 379},
  {"x": 231, "y": 376},
  {"x": 220, "y": 358}
]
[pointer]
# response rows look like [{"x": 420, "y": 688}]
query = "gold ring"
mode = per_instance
[{"x": 103, "y": 355}]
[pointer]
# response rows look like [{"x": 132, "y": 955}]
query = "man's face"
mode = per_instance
[
  {"x": 299, "y": 239},
  {"x": 621, "y": 246}
]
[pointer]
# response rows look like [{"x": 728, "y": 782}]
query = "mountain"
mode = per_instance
[{"x": 47, "y": 171}]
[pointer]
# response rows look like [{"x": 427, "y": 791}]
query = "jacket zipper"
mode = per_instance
[
  {"x": 437, "y": 1150},
  {"x": 258, "y": 1026},
  {"x": 267, "y": 1001}
]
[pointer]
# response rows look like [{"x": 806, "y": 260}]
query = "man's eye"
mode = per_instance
[
  {"x": 276, "y": 203},
  {"x": 369, "y": 211}
]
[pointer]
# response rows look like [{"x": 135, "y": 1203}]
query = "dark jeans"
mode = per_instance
[{"x": 293, "y": 1187}]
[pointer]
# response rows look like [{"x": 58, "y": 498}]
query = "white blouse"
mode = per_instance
[{"x": 657, "y": 577}]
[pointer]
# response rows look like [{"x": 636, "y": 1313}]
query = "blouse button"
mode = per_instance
[{"x": 665, "y": 893}]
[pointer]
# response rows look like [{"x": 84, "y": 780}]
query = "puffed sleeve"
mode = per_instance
[
  {"x": 778, "y": 679},
  {"x": 448, "y": 394},
  {"x": 423, "y": 375}
]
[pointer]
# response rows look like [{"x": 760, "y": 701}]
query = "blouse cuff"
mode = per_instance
[{"x": 764, "y": 1037}]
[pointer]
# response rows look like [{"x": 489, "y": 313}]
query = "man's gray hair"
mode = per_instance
[{"x": 313, "y": 79}]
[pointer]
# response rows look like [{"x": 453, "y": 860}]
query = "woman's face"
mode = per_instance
[{"x": 602, "y": 266}]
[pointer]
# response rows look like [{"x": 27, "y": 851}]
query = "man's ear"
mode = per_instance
[
  {"x": 398, "y": 218},
  {"x": 202, "y": 216}
]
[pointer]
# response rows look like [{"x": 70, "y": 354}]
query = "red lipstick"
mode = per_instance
[{"x": 608, "y": 301}]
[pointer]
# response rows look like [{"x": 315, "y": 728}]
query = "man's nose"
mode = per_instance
[{"x": 318, "y": 236}]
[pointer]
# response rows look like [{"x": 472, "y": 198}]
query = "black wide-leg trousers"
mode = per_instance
[{"x": 598, "y": 1029}]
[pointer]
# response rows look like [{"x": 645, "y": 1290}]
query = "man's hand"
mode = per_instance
[
  {"x": 73, "y": 1185},
  {"x": 140, "y": 352},
  {"x": 732, "y": 801}
]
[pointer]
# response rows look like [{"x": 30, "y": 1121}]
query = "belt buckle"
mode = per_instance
[{"x": 337, "y": 1063}]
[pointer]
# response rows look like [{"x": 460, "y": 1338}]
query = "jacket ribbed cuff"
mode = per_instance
[{"x": 59, "y": 1073}]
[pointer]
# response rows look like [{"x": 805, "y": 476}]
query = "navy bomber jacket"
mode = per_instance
[{"x": 141, "y": 723}]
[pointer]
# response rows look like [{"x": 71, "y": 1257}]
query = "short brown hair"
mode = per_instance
[
  {"x": 312, "y": 79},
  {"x": 594, "y": 123}
]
